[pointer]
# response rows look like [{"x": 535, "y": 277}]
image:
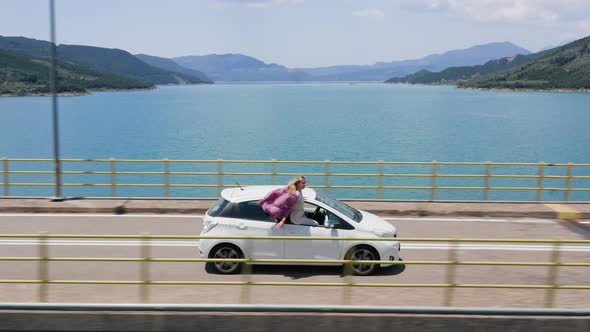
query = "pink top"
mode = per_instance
[{"x": 278, "y": 203}]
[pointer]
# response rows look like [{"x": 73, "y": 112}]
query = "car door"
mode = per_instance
[
  {"x": 313, "y": 249},
  {"x": 252, "y": 221}
]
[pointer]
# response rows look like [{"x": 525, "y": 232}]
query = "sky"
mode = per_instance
[{"x": 300, "y": 33}]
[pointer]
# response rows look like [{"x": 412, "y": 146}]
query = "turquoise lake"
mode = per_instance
[{"x": 323, "y": 121}]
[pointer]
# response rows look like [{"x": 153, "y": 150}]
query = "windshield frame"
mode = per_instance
[{"x": 339, "y": 206}]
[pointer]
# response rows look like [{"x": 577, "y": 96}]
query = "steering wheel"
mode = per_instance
[{"x": 318, "y": 216}]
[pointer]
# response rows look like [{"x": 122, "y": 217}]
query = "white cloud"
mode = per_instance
[
  {"x": 520, "y": 11},
  {"x": 257, "y": 3},
  {"x": 424, "y": 5},
  {"x": 369, "y": 12}
]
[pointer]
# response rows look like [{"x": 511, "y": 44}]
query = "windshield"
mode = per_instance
[{"x": 348, "y": 211}]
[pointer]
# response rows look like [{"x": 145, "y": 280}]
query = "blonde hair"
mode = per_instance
[{"x": 292, "y": 187}]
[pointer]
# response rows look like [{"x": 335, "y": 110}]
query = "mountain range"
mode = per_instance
[
  {"x": 24, "y": 64},
  {"x": 564, "y": 67},
  {"x": 384, "y": 70},
  {"x": 238, "y": 67}
]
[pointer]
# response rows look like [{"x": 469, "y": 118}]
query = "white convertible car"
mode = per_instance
[{"x": 237, "y": 213}]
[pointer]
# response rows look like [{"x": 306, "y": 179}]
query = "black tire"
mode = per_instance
[
  {"x": 361, "y": 253},
  {"x": 225, "y": 250}
]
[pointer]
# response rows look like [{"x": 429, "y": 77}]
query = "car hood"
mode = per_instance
[{"x": 377, "y": 225}]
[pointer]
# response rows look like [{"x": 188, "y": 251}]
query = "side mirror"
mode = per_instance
[{"x": 330, "y": 223}]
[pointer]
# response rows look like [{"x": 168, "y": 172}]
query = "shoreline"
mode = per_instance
[
  {"x": 72, "y": 94},
  {"x": 559, "y": 90},
  {"x": 496, "y": 89}
]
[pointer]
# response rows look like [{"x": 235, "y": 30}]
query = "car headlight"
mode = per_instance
[
  {"x": 208, "y": 225},
  {"x": 384, "y": 233}
]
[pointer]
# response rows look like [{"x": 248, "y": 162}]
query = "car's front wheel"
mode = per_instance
[
  {"x": 362, "y": 253},
  {"x": 224, "y": 251}
]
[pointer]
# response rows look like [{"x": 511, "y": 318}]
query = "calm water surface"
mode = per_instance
[{"x": 347, "y": 122}]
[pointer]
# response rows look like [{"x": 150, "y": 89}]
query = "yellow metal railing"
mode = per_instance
[
  {"x": 219, "y": 173},
  {"x": 450, "y": 284}
]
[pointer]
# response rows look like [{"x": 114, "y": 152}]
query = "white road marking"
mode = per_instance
[
  {"x": 98, "y": 215},
  {"x": 191, "y": 216},
  {"x": 195, "y": 243},
  {"x": 517, "y": 220}
]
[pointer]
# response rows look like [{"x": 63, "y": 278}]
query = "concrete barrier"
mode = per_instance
[
  {"x": 383, "y": 208},
  {"x": 105, "y": 317},
  {"x": 283, "y": 322}
]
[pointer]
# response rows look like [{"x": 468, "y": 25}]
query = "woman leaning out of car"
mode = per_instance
[{"x": 279, "y": 202}]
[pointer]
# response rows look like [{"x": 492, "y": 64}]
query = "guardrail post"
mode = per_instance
[
  {"x": 552, "y": 277},
  {"x": 568, "y": 182},
  {"x": 273, "y": 171},
  {"x": 43, "y": 268},
  {"x": 219, "y": 176},
  {"x": 451, "y": 272},
  {"x": 5, "y": 172},
  {"x": 540, "y": 181},
  {"x": 486, "y": 182},
  {"x": 246, "y": 277},
  {"x": 347, "y": 290},
  {"x": 166, "y": 177},
  {"x": 379, "y": 179},
  {"x": 144, "y": 272},
  {"x": 433, "y": 181},
  {"x": 326, "y": 175},
  {"x": 113, "y": 178}
]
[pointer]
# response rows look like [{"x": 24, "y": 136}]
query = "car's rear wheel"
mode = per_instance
[
  {"x": 362, "y": 253},
  {"x": 225, "y": 251}
]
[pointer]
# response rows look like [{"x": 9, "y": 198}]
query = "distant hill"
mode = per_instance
[
  {"x": 454, "y": 75},
  {"x": 21, "y": 74},
  {"x": 170, "y": 65},
  {"x": 381, "y": 71},
  {"x": 105, "y": 60},
  {"x": 564, "y": 67},
  {"x": 239, "y": 68}
]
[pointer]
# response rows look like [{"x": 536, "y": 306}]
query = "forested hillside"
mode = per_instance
[
  {"x": 565, "y": 67},
  {"x": 21, "y": 74}
]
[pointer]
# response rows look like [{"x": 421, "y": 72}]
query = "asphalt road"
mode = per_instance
[{"x": 408, "y": 227}]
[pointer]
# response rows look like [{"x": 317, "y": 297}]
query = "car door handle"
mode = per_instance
[{"x": 242, "y": 226}]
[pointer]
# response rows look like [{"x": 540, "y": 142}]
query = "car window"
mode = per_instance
[
  {"x": 221, "y": 208},
  {"x": 347, "y": 210},
  {"x": 339, "y": 223},
  {"x": 322, "y": 215},
  {"x": 252, "y": 211}
]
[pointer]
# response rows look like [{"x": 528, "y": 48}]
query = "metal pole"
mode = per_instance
[
  {"x": 144, "y": 268},
  {"x": 451, "y": 273},
  {"x": 53, "y": 83},
  {"x": 326, "y": 175},
  {"x": 113, "y": 178},
  {"x": 433, "y": 181},
  {"x": 379, "y": 179},
  {"x": 43, "y": 268},
  {"x": 568, "y": 182},
  {"x": 166, "y": 178},
  {"x": 5, "y": 163},
  {"x": 486, "y": 182},
  {"x": 540, "y": 182}
]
